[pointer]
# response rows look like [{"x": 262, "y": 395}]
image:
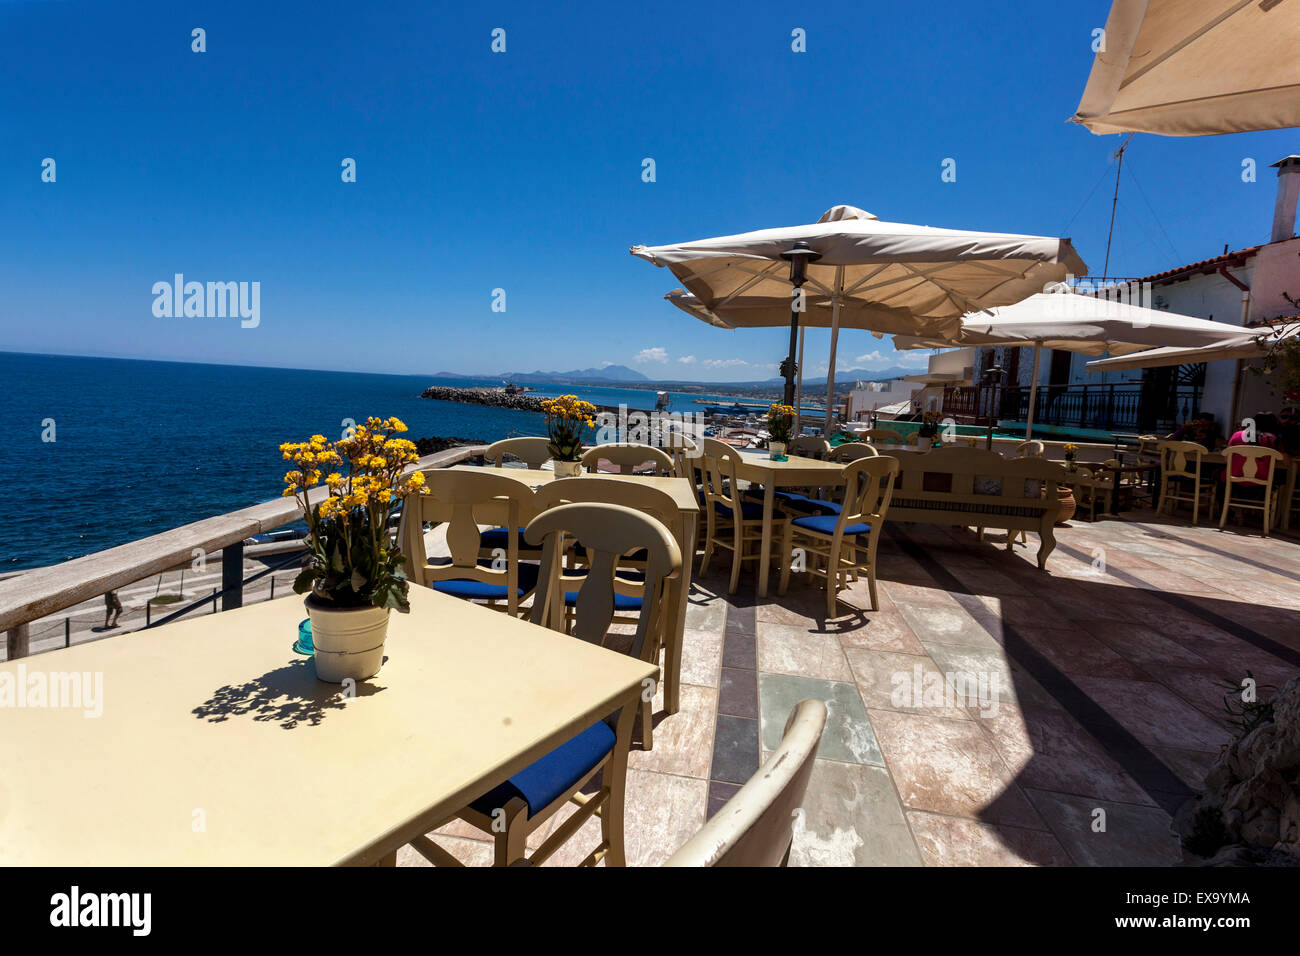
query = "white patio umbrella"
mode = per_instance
[
  {"x": 1245, "y": 345},
  {"x": 1091, "y": 324},
  {"x": 1195, "y": 68},
  {"x": 860, "y": 272}
]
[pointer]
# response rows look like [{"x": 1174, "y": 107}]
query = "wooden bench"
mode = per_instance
[{"x": 974, "y": 487}]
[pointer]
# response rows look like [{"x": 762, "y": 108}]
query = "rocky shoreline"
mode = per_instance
[
  {"x": 495, "y": 397},
  {"x": 431, "y": 446}
]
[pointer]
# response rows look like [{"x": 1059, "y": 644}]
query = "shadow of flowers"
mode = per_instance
[{"x": 289, "y": 695}]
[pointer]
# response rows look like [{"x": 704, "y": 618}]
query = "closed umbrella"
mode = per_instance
[
  {"x": 857, "y": 271},
  {"x": 1091, "y": 324},
  {"x": 1195, "y": 68}
]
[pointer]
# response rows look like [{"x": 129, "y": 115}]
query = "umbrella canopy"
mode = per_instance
[
  {"x": 868, "y": 274},
  {"x": 1195, "y": 68},
  {"x": 1075, "y": 322},
  {"x": 1240, "y": 346}
]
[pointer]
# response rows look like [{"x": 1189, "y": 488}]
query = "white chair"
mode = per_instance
[
  {"x": 533, "y": 452},
  {"x": 731, "y": 521},
  {"x": 629, "y": 458},
  {"x": 1181, "y": 477},
  {"x": 756, "y": 826},
  {"x": 1251, "y": 458},
  {"x": 517, "y": 808}
]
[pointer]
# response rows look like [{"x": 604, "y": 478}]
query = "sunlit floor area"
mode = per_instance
[{"x": 988, "y": 713}]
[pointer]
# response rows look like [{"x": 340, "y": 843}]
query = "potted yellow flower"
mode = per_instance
[
  {"x": 567, "y": 418},
  {"x": 780, "y": 425},
  {"x": 354, "y": 574}
]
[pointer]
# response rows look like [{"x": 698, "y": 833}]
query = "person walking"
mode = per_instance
[{"x": 112, "y": 609}]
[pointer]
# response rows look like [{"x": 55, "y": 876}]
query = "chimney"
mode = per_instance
[{"x": 1288, "y": 189}]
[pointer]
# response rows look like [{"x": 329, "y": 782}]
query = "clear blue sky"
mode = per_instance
[{"x": 522, "y": 170}]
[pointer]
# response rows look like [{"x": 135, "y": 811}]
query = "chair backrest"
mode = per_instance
[
  {"x": 720, "y": 461},
  {"x": 1030, "y": 449},
  {"x": 809, "y": 446},
  {"x": 868, "y": 486},
  {"x": 852, "y": 451},
  {"x": 1252, "y": 458},
  {"x": 534, "y": 452},
  {"x": 886, "y": 435},
  {"x": 595, "y": 489},
  {"x": 1181, "y": 458},
  {"x": 686, "y": 453},
  {"x": 608, "y": 532},
  {"x": 628, "y": 457},
  {"x": 465, "y": 499},
  {"x": 756, "y": 826}
]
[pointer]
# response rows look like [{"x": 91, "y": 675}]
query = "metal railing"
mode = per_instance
[
  {"x": 1125, "y": 405},
  {"x": 42, "y": 592}
]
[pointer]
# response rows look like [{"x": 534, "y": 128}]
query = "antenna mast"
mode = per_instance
[{"x": 1119, "y": 155}]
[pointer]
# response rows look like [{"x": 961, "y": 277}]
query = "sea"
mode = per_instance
[{"x": 104, "y": 451}]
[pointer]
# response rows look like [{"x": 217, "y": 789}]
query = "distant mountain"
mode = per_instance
[{"x": 609, "y": 373}]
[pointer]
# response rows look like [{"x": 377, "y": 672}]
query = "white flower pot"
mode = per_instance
[
  {"x": 776, "y": 449},
  {"x": 923, "y": 442},
  {"x": 568, "y": 469},
  {"x": 347, "y": 642}
]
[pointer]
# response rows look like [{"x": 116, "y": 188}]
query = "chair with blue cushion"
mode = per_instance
[
  {"x": 630, "y": 458},
  {"x": 845, "y": 543},
  {"x": 732, "y": 521},
  {"x": 513, "y": 810},
  {"x": 464, "y": 499}
]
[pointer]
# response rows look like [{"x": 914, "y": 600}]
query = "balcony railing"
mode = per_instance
[
  {"x": 41, "y": 592},
  {"x": 1126, "y": 406}
]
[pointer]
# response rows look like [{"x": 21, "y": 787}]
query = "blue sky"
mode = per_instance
[{"x": 522, "y": 170}]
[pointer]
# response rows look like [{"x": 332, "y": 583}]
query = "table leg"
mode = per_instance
[
  {"x": 769, "y": 497},
  {"x": 1288, "y": 496},
  {"x": 1116, "y": 478},
  {"x": 679, "y": 593}
]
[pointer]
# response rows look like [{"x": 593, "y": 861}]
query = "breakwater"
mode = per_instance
[{"x": 494, "y": 397}]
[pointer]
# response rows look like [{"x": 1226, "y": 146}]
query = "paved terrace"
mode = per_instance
[{"x": 1106, "y": 679}]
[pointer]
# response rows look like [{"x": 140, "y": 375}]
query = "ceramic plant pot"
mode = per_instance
[
  {"x": 568, "y": 469},
  {"x": 347, "y": 642}
]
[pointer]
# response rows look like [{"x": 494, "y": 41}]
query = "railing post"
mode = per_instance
[
  {"x": 232, "y": 576},
  {"x": 17, "y": 644},
  {"x": 67, "y": 632}
]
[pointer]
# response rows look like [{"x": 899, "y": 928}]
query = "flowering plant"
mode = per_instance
[
  {"x": 780, "y": 422},
  {"x": 353, "y": 563},
  {"x": 1071, "y": 450},
  {"x": 567, "y": 418},
  {"x": 929, "y": 424}
]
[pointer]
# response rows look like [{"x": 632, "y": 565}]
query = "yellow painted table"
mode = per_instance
[
  {"x": 794, "y": 472},
  {"x": 688, "y": 507},
  {"x": 217, "y": 746}
]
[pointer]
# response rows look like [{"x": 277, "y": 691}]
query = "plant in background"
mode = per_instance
[
  {"x": 780, "y": 422},
  {"x": 353, "y": 563},
  {"x": 929, "y": 424},
  {"x": 1282, "y": 358},
  {"x": 1071, "y": 450},
  {"x": 567, "y": 419}
]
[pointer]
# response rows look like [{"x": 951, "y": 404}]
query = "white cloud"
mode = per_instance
[
  {"x": 724, "y": 363},
  {"x": 687, "y": 360},
  {"x": 656, "y": 354}
]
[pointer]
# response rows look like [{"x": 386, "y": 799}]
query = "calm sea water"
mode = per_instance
[{"x": 141, "y": 447}]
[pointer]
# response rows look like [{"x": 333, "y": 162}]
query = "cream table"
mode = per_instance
[{"x": 217, "y": 745}]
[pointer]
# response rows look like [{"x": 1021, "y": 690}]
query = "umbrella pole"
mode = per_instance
[
  {"x": 835, "y": 334},
  {"x": 1033, "y": 392},
  {"x": 798, "y": 395},
  {"x": 789, "y": 367}
]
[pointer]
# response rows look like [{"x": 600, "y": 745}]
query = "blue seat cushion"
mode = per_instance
[
  {"x": 482, "y": 591},
  {"x": 804, "y": 503},
  {"x": 749, "y": 510},
  {"x": 544, "y": 781},
  {"x": 499, "y": 538},
  {"x": 622, "y": 602},
  {"x": 825, "y": 524}
]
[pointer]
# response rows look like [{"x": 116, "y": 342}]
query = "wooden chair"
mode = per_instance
[
  {"x": 852, "y": 451},
  {"x": 466, "y": 499},
  {"x": 837, "y": 539},
  {"x": 1092, "y": 486},
  {"x": 731, "y": 521},
  {"x": 1029, "y": 449},
  {"x": 534, "y": 452},
  {"x": 809, "y": 446},
  {"x": 628, "y": 457},
  {"x": 1251, "y": 456},
  {"x": 755, "y": 827},
  {"x": 1181, "y": 477},
  {"x": 685, "y": 452},
  {"x": 1148, "y": 450},
  {"x": 629, "y": 579},
  {"x": 516, "y": 808},
  {"x": 885, "y": 435}
]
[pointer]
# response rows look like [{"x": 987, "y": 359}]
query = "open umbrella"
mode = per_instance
[
  {"x": 1244, "y": 345},
  {"x": 855, "y": 270},
  {"x": 1091, "y": 324},
  {"x": 1195, "y": 68}
]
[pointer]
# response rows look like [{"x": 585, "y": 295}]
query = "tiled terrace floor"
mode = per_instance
[{"x": 1105, "y": 703}]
